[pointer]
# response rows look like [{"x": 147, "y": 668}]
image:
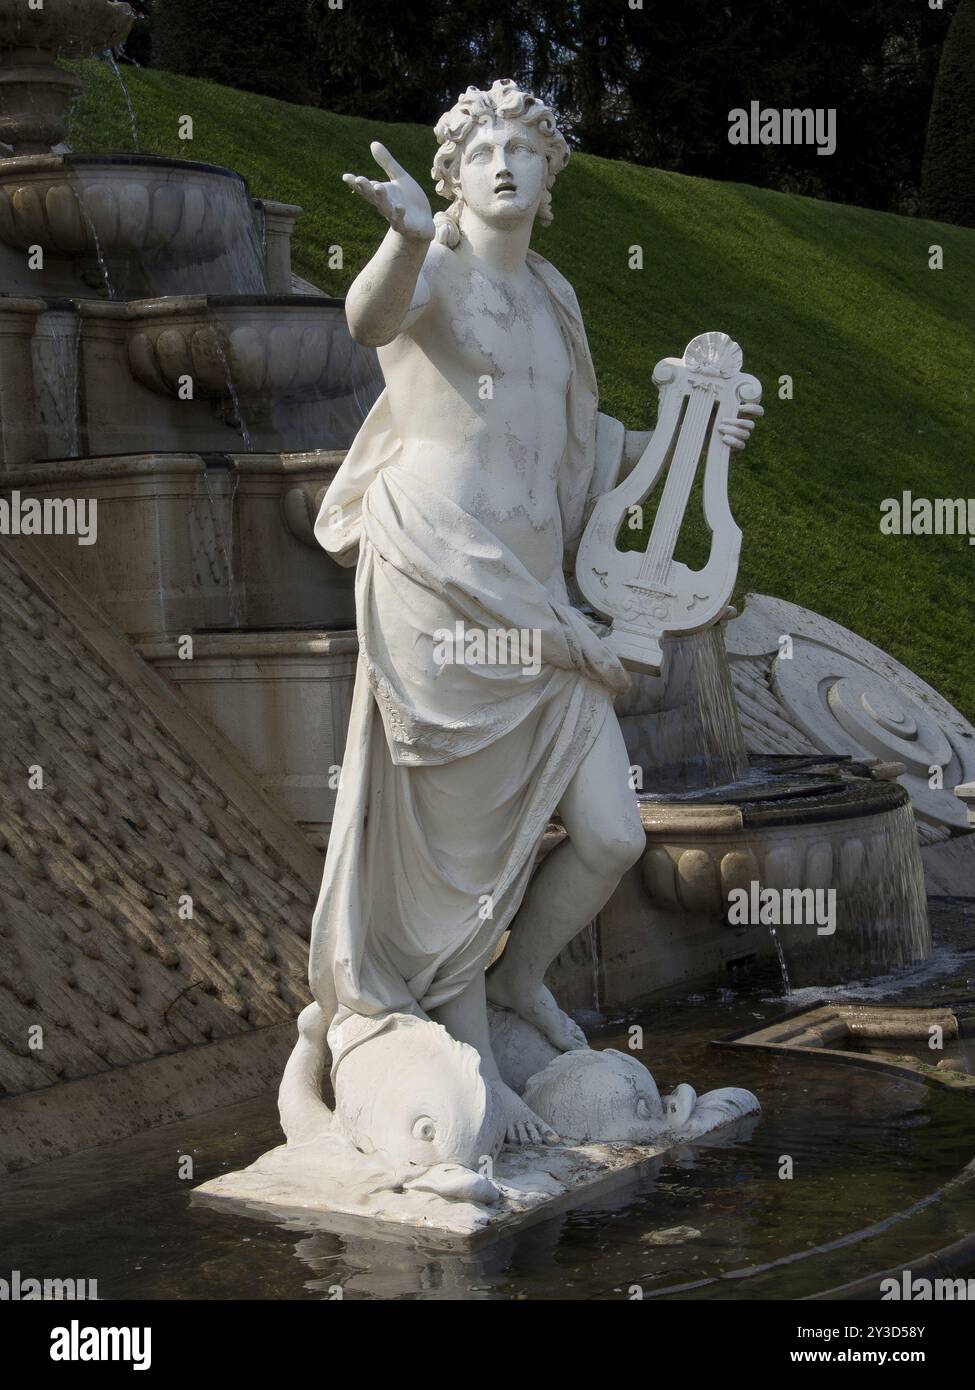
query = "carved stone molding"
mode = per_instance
[{"x": 843, "y": 695}]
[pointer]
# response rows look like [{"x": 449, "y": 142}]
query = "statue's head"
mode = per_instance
[{"x": 500, "y": 151}]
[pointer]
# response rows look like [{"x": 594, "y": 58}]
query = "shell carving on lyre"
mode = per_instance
[
  {"x": 713, "y": 354},
  {"x": 648, "y": 594}
]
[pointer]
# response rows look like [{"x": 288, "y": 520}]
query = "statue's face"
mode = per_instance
[{"x": 503, "y": 172}]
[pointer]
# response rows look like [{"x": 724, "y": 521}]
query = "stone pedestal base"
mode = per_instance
[{"x": 535, "y": 1184}]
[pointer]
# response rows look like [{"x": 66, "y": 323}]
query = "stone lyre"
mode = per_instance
[{"x": 648, "y": 594}]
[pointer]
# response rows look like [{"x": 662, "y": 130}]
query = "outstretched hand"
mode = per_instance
[{"x": 401, "y": 201}]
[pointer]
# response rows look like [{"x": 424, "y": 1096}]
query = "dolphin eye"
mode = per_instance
[{"x": 424, "y": 1128}]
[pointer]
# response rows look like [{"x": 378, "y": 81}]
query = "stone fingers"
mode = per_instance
[{"x": 391, "y": 167}]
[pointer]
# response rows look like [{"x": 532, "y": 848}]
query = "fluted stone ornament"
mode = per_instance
[
  {"x": 649, "y": 595},
  {"x": 842, "y": 694}
]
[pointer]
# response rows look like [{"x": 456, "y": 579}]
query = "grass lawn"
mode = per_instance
[{"x": 880, "y": 347}]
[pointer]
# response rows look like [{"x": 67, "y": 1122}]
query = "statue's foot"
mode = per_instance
[
  {"x": 537, "y": 1006},
  {"x": 522, "y": 1126}
]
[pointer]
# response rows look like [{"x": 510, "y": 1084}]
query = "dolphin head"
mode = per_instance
[
  {"x": 606, "y": 1096},
  {"x": 610, "y": 1097},
  {"x": 407, "y": 1090}
]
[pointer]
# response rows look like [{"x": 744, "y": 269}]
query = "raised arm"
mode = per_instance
[{"x": 387, "y": 288}]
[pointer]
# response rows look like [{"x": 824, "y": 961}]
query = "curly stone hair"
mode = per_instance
[{"x": 503, "y": 102}]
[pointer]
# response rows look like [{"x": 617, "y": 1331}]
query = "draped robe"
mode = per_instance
[{"x": 451, "y": 772}]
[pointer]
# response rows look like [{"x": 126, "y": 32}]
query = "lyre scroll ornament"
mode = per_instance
[{"x": 648, "y": 594}]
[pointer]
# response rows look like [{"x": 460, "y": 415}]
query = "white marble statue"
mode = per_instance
[{"x": 462, "y": 502}]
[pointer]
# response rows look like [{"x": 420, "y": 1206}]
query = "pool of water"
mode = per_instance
[
  {"x": 955, "y": 1054},
  {"x": 847, "y": 1171}
]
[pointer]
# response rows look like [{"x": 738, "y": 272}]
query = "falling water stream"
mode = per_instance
[
  {"x": 783, "y": 965},
  {"x": 593, "y": 934},
  {"x": 96, "y": 242},
  {"x": 722, "y": 744},
  {"x": 239, "y": 419},
  {"x": 885, "y": 927},
  {"x": 112, "y": 61}
]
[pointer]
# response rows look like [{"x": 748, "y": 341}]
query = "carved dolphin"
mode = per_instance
[
  {"x": 407, "y": 1095},
  {"x": 610, "y": 1097},
  {"x": 404, "y": 1087}
]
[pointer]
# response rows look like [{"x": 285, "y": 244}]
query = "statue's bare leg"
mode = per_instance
[
  {"x": 465, "y": 1018},
  {"x": 605, "y": 837}
]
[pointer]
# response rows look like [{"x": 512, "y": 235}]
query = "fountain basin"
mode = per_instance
[
  {"x": 830, "y": 832},
  {"x": 133, "y": 204},
  {"x": 260, "y": 374},
  {"x": 823, "y": 828},
  {"x": 736, "y": 835},
  {"x": 188, "y": 543},
  {"x": 257, "y": 349},
  {"x": 118, "y": 226}
]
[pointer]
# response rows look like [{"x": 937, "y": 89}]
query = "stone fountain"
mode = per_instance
[
  {"x": 159, "y": 359},
  {"x": 36, "y": 92},
  {"x": 807, "y": 847}
]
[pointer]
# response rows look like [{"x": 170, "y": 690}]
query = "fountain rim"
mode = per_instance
[
  {"x": 51, "y": 163},
  {"x": 850, "y": 799},
  {"x": 120, "y": 308},
  {"x": 320, "y": 465},
  {"x": 866, "y": 1237},
  {"x": 260, "y": 301},
  {"x": 175, "y": 308}
]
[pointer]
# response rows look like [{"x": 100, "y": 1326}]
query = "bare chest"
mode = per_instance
[{"x": 508, "y": 338}]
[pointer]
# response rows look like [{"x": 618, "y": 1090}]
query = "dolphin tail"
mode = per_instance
[{"x": 304, "y": 1114}]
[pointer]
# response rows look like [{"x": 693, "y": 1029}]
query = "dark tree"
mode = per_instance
[
  {"x": 649, "y": 80},
  {"x": 948, "y": 186},
  {"x": 138, "y": 46},
  {"x": 254, "y": 45},
  {"x": 656, "y": 84},
  {"x": 408, "y": 62}
]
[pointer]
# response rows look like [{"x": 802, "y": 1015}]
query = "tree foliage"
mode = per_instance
[
  {"x": 948, "y": 187},
  {"x": 645, "y": 80},
  {"x": 253, "y": 45}
]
